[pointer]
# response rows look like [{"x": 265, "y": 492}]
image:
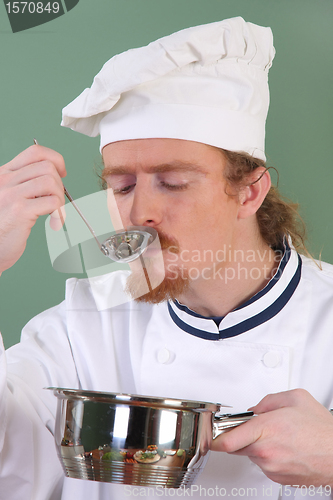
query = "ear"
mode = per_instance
[{"x": 253, "y": 194}]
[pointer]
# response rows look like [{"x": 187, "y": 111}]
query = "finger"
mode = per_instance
[
  {"x": 36, "y": 154},
  {"x": 31, "y": 171},
  {"x": 239, "y": 438},
  {"x": 43, "y": 205},
  {"x": 45, "y": 185},
  {"x": 272, "y": 402},
  {"x": 57, "y": 219}
]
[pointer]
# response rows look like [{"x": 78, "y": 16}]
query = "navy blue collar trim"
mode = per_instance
[
  {"x": 250, "y": 323},
  {"x": 283, "y": 262},
  {"x": 193, "y": 313}
]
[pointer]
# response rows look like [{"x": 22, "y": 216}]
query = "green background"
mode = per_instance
[{"x": 44, "y": 68}]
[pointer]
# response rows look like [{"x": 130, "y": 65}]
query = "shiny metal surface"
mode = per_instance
[
  {"x": 137, "y": 440},
  {"x": 225, "y": 422},
  {"x": 127, "y": 245}
]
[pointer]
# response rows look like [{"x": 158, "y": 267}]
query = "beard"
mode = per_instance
[{"x": 172, "y": 286}]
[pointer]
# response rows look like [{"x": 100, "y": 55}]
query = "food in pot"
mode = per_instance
[
  {"x": 152, "y": 448},
  {"x": 147, "y": 457},
  {"x": 114, "y": 455}
]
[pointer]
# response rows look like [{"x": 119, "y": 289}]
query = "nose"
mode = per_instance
[{"x": 146, "y": 207}]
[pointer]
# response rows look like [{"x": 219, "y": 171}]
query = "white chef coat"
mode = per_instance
[{"x": 280, "y": 339}]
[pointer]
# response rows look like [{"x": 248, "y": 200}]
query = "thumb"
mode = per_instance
[
  {"x": 272, "y": 402},
  {"x": 238, "y": 438},
  {"x": 57, "y": 219}
]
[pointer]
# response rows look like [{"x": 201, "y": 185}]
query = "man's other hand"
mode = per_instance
[{"x": 290, "y": 439}]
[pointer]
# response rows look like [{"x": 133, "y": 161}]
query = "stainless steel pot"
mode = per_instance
[{"x": 137, "y": 440}]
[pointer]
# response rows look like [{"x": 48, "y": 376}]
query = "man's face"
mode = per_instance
[{"x": 178, "y": 188}]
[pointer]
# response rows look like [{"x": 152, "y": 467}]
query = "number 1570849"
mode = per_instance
[{"x": 32, "y": 7}]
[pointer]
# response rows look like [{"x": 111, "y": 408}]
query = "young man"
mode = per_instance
[{"x": 239, "y": 315}]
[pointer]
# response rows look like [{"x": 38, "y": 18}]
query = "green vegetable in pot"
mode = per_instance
[{"x": 113, "y": 455}]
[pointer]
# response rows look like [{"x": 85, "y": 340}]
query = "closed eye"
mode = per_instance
[
  {"x": 123, "y": 190},
  {"x": 170, "y": 187},
  {"x": 174, "y": 187}
]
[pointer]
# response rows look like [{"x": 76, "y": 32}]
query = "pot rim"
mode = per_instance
[{"x": 135, "y": 400}]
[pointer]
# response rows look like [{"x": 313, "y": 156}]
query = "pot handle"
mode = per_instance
[{"x": 227, "y": 421}]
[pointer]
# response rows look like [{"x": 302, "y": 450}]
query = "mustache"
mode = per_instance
[{"x": 168, "y": 242}]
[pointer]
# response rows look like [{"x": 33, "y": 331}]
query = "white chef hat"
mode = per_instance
[{"x": 206, "y": 84}]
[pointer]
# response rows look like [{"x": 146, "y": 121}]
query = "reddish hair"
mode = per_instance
[{"x": 277, "y": 217}]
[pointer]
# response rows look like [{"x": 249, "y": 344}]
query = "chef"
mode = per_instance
[{"x": 240, "y": 317}]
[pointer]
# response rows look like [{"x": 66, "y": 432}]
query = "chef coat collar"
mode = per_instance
[{"x": 263, "y": 306}]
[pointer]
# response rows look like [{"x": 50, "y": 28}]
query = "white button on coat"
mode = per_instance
[
  {"x": 163, "y": 356},
  {"x": 271, "y": 359}
]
